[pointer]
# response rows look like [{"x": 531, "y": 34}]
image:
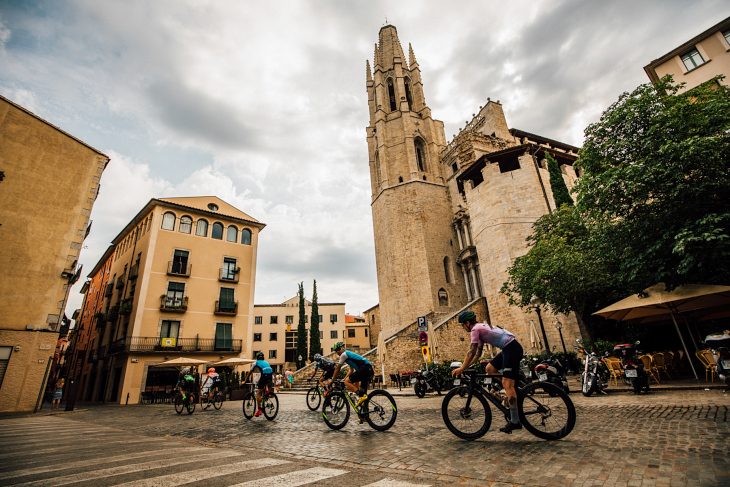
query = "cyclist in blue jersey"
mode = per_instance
[
  {"x": 266, "y": 371},
  {"x": 506, "y": 363},
  {"x": 361, "y": 371}
]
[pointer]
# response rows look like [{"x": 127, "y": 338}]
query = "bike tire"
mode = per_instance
[
  {"x": 190, "y": 404},
  {"x": 178, "y": 404},
  {"x": 336, "y": 410},
  {"x": 589, "y": 385},
  {"x": 466, "y": 424},
  {"x": 380, "y": 409},
  {"x": 419, "y": 389},
  {"x": 217, "y": 400},
  {"x": 249, "y": 405},
  {"x": 314, "y": 398},
  {"x": 270, "y": 406},
  {"x": 546, "y": 411}
]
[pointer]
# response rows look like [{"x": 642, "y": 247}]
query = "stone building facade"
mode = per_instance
[{"x": 450, "y": 218}]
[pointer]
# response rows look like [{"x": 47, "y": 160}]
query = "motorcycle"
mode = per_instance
[
  {"x": 718, "y": 343},
  {"x": 595, "y": 375},
  {"x": 425, "y": 381},
  {"x": 527, "y": 369},
  {"x": 552, "y": 371},
  {"x": 633, "y": 367}
]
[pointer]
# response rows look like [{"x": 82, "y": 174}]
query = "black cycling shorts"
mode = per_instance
[
  {"x": 508, "y": 360},
  {"x": 326, "y": 375},
  {"x": 363, "y": 376},
  {"x": 264, "y": 380}
]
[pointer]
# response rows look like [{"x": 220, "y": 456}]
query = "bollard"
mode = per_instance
[{"x": 127, "y": 402}]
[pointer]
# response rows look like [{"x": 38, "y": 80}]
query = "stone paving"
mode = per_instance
[{"x": 668, "y": 438}]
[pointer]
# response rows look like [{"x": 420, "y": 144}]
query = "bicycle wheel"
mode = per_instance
[
  {"x": 249, "y": 405},
  {"x": 380, "y": 409},
  {"x": 178, "y": 404},
  {"x": 336, "y": 410},
  {"x": 190, "y": 404},
  {"x": 466, "y": 423},
  {"x": 270, "y": 406},
  {"x": 314, "y": 397},
  {"x": 546, "y": 411},
  {"x": 217, "y": 400}
]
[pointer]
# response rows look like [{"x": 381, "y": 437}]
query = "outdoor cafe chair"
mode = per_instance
[
  {"x": 705, "y": 357},
  {"x": 614, "y": 369},
  {"x": 650, "y": 368},
  {"x": 660, "y": 364}
]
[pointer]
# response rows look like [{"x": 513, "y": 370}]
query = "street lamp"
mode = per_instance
[
  {"x": 535, "y": 302},
  {"x": 559, "y": 326}
]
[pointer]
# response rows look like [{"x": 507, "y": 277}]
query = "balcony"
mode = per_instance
[
  {"x": 120, "y": 282},
  {"x": 126, "y": 307},
  {"x": 173, "y": 305},
  {"x": 165, "y": 345},
  {"x": 109, "y": 290},
  {"x": 178, "y": 268},
  {"x": 100, "y": 319},
  {"x": 228, "y": 275},
  {"x": 226, "y": 308},
  {"x": 134, "y": 271}
]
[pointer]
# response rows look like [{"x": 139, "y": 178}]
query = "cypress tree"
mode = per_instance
[
  {"x": 301, "y": 330},
  {"x": 561, "y": 195},
  {"x": 315, "y": 346}
]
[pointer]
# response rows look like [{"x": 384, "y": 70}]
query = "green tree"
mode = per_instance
[
  {"x": 656, "y": 184},
  {"x": 561, "y": 195},
  {"x": 315, "y": 346},
  {"x": 301, "y": 330}
]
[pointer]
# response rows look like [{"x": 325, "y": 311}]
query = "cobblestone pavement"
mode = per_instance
[{"x": 667, "y": 438}]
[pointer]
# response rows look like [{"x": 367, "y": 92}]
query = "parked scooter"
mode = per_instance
[
  {"x": 595, "y": 375},
  {"x": 527, "y": 369},
  {"x": 633, "y": 367},
  {"x": 552, "y": 371},
  {"x": 425, "y": 381},
  {"x": 719, "y": 343}
]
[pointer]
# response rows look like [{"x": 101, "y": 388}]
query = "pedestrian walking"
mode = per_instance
[
  {"x": 58, "y": 394},
  {"x": 289, "y": 378}
]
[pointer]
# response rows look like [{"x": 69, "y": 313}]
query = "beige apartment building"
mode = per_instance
[
  {"x": 700, "y": 59},
  {"x": 357, "y": 334},
  {"x": 49, "y": 181},
  {"x": 181, "y": 283},
  {"x": 275, "y": 330}
]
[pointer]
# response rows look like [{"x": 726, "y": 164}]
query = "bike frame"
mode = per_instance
[{"x": 474, "y": 385}]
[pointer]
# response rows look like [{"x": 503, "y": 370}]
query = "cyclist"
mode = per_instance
[
  {"x": 186, "y": 382},
  {"x": 506, "y": 363},
  {"x": 361, "y": 371},
  {"x": 328, "y": 367},
  {"x": 211, "y": 383},
  {"x": 266, "y": 371}
]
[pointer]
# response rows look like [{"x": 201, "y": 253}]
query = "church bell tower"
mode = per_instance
[{"x": 415, "y": 242}]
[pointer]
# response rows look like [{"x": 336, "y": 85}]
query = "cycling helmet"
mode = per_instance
[
  {"x": 467, "y": 316},
  {"x": 338, "y": 346},
  {"x": 317, "y": 357},
  {"x": 260, "y": 356},
  {"x": 185, "y": 370},
  {"x": 211, "y": 370}
]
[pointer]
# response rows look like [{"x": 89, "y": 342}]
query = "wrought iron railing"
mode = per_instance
[
  {"x": 226, "y": 308},
  {"x": 134, "y": 271},
  {"x": 173, "y": 304},
  {"x": 228, "y": 274},
  {"x": 164, "y": 344},
  {"x": 120, "y": 282},
  {"x": 109, "y": 290}
]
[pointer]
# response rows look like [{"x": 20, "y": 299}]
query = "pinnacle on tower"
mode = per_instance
[
  {"x": 367, "y": 68},
  {"x": 376, "y": 57},
  {"x": 411, "y": 57}
]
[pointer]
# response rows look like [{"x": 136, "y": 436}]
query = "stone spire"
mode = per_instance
[
  {"x": 389, "y": 47},
  {"x": 411, "y": 57},
  {"x": 367, "y": 68},
  {"x": 376, "y": 57}
]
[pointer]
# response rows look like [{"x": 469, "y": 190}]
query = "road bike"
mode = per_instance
[
  {"x": 217, "y": 400},
  {"x": 185, "y": 402},
  {"x": 544, "y": 410},
  {"x": 269, "y": 406},
  {"x": 315, "y": 395},
  {"x": 379, "y": 409}
]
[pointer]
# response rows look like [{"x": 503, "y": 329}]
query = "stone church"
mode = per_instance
[{"x": 450, "y": 217}]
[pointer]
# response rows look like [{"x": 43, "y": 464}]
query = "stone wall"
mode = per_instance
[{"x": 26, "y": 367}]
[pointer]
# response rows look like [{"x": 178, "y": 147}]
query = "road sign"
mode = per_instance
[
  {"x": 422, "y": 325},
  {"x": 423, "y": 337},
  {"x": 426, "y": 354}
]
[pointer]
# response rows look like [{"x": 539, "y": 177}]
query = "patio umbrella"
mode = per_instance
[
  {"x": 381, "y": 353},
  {"x": 234, "y": 361},
  {"x": 658, "y": 306},
  {"x": 433, "y": 342},
  {"x": 181, "y": 362}
]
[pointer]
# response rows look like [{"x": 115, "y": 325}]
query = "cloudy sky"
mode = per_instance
[{"x": 264, "y": 105}]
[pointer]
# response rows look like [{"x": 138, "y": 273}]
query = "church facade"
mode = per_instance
[{"x": 449, "y": 218}]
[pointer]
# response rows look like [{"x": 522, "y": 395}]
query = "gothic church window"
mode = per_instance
[
  {"x": 391, "y": 95},
  {"x": 420, "y": 154},
  {"x": 447, "y": 270},
  {"x": 443, "y": 297},
  {"x": 408, "y": 94}
]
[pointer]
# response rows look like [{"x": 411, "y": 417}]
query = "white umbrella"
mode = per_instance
[
  {"x": 433, "y": 343},
  {"x": 182, "y": 362},
  {"x": 381, "y": 353},
  {"x": 234, "y": 361}
]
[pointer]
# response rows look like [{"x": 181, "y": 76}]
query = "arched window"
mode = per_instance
[
  {"x": 408, "y": 94},
  {"x": 168, "y": 221},
  {"x": 246, "y": 236},
  {"x": 186, "y": 224},
  {"x": 447, "y": 270},
  {"x": 201, "y": 228},
  {"x": 391, "y": 95},
  {"x": 420, "y": 154},
  {"x": 379, "y": 181},
  {"x": 217, "y": 232},
  {"x": 443, "y": 297},
  {"x": 232, "y": 234}
]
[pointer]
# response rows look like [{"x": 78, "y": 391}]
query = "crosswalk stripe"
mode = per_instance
[
  {"x": 124, "y": 469},
  {"x": 394, "y": 483},
  {"x": 92, "y": 461},
  {"x": 49, "y": 431},
  {"x": 23, "y": 449},
  {"x": 43, "y": 440},
  {"x": 204, "y": 473},
  {"x": 292, "y": 479}
]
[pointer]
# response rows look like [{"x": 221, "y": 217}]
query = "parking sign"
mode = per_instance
[{"x": 422, "y": 325}]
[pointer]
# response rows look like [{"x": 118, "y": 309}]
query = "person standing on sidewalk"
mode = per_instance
[{"x": 58, "y": 394}]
